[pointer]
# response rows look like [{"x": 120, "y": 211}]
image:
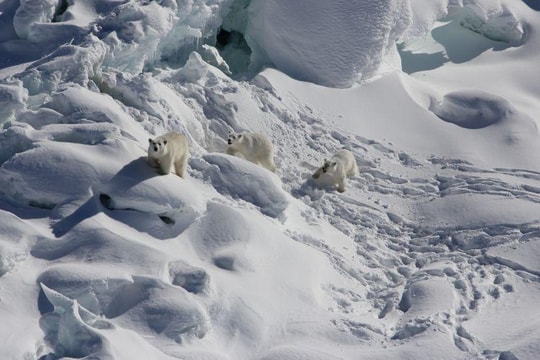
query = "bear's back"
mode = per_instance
[
  {"x": 177, "y": 143},
  {"x": 344, "y": 155},
  {"x": 259, "y": 142},
  {"x": 345, "y": 159},
  {"x": 174, "y": 136}
]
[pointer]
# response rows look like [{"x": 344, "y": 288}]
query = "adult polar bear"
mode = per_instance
[
  {"x": 336, "y": 170},
  {"x": 254, "y": 147},
  {"x": 169, "y": 151}
]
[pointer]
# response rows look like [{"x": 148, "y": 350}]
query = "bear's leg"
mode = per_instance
[
  {"x": 181, "y": 166},
  {"x": 267, "y": 163},
  {"x": 152, "y": 162},
  {"x": 165, "y": 166},
  {"x": 354, "y": 171},
  {"x": 341, "y": 185},
  {"x": 271, "y": 166}
]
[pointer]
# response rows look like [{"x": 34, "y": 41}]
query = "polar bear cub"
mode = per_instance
[
  {"x": 169, "y": 151},
  {"x": 336, "y": 169},
  {"x": 254, "y": 147}
]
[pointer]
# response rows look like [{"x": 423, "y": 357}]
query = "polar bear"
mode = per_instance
[
  {"x": 336, "y": 170},
  {"x": 254, "y": 147},
  {"x": 169, "y": 151}
]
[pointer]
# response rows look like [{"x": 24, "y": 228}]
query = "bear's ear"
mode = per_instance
[
  {"x": 150, "y": 140},
  {"x": 334, "y": 163},
  {"x": 239, "y": 136},
  {"x": 164, "y": 142}
]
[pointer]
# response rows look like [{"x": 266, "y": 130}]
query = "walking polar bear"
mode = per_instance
[
  {"x": 169, "y": 151},
  {"x": 336, "y": 170},
  {"x": 254, "y": 147}
]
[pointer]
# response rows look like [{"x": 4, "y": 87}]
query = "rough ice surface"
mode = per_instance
[{"x": 31, "y": 12}]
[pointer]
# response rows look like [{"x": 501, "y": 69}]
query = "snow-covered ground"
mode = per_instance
[{"x": 432, "y": 252}]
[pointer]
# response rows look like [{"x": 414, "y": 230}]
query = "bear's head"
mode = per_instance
[
  {"x": 234, "y": 138},
  {"x": 157, "y": 146},
  {"x": 328, "y": 166}
]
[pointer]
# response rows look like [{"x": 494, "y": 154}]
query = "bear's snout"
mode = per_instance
[
  {"x": 229, "y": 142},
  {"x": 155, "y": 149}
]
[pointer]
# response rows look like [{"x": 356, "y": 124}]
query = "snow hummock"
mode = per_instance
[
  {"x": 476, "y": 110},
  {"x": 328, "y": 43},
  {"x": 258, "y": 186},
  {"x": 431, "y": 252}
]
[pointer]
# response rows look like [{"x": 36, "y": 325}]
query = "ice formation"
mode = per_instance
[
  {"x": 493, "y": 19},
  {"x": 333, "y": 43},
  {"x": 476, "y": 109}
]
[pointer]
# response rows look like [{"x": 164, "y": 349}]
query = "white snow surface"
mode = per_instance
[
  {"x": 333, "y": 43},
  {"x": 432, "y": 252}
]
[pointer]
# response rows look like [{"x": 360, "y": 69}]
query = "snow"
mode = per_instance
[
  {"x": 32, "y": 12},
  {"x": 240, "y": 179},
  {"x": 326, "y": 43},
  {"x": 431, "y": 252}
]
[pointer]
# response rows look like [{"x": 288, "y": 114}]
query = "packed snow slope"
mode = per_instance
[{"x": 432, "y": 252}]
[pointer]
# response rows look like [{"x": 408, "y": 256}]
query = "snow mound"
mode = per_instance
[
  {"x": 243, "y": 180},
  {"x": 494, "y": 22},
  {"x": 162, "y": 308},
  {"x": 458, "y": 32},
  {"x": 69, "y": 171},
  {"x": 106, "y": 246},
  {"x": 222, "y": 234},
  {"x": 428, "y": 295},
  {"x": 163, "y": 206},
  {"x": 31, "y": 12},
  {"x": 330, "y": 43},
  {"x": 490, "y": 18},
  {"x": 75, "y": 332},
  {"x": 473, "y": 109}
]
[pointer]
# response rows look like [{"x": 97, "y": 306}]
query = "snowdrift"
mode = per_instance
[{"x": 432, "y": 252}]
